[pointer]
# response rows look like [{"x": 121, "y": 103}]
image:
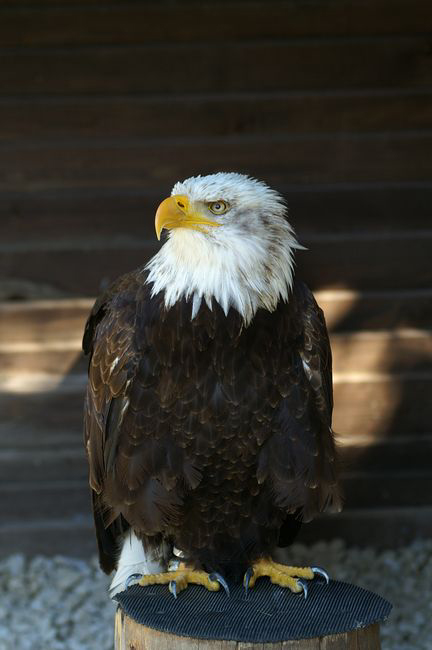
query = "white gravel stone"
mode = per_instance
[{"x": 61, "y": 603}]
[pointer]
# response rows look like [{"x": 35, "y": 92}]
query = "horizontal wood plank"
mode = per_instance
[
  {"x": 368, "y": 264},
  {"x": 40, "y": 465},
  {"x": 43, "y": 320},
  {"x": 73, "y": 537},
  {"x": 380, "y": 527},
  {"x": 27, "y": 436},
  {"x": 385, "y": 489},
  {"x": 390, "y": 157},
  {"x": 48, "y": 359},
  {"x": 387, "y": 455},
  {"x": 40, "y": 414},
  {"x": 34, "y": 500},
  {"x": 397, "y": 352},
  {"x": 218, "y": 115},
  {"x": 279, "y": 65},
  {"x": 386, "y": 406},
  {"x": 375, "y": 310},
  {"x": 130, "y": 23},
  {"x": 363, "y": 265}
]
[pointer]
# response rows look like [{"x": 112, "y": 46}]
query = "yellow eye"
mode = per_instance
[{"x": 218, "y": 207}]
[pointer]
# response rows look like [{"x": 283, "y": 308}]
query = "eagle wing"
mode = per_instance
[
  {"x": 108, "y": 340},
  {"x": 138, "y": 473},
  {"x": 299, "y": 457},
  {"x": 315, "y": 352}
]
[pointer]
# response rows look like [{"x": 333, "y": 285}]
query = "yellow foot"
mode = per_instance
[
  {"x": 282, "y": 575},
  {"x": 180, "y": 578}
]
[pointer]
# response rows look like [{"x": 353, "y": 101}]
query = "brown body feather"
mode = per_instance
[{"x": 206, "y": 433}]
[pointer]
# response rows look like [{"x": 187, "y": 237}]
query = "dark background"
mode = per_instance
[{"x": 104, "y": 105}]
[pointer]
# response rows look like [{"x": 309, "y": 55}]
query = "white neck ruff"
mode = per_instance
[{"x": 243, "y": 272}]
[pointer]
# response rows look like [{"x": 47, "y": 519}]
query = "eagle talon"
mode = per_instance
[
  {"x": 133, "y": 576},
  {"x": 174, "y": 564},
  {"x": 247, "y": 578},
  {"x": 173, "y": 588},
  {"x": 301, "y": 583},
  {"x": 216, "y": 577},
  {"x": 321, "y": 572}
]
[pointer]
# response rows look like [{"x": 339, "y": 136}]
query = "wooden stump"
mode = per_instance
[{"x": 130, "y": 635}]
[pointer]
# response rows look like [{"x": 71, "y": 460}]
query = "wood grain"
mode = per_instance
[
  {"x": 379, "y": 527},
  {"x": 54, "y": 535},
  {"x": 278, "y": 65},
  {"x": 337, "y": 641},
  {"x": 376, "y": 310},
  {"x": 386, "y": 406},
  {"x": 43, "y": 320},
  {"x": 130, "y": 635},
  {"x": 390, "y": 157},
  {"x": 130, "y": 23},
  {"x": 70, "y": 498},
  {"x": 217, "y": 115}
]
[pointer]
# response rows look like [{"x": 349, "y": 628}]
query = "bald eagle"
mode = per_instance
[{"x": 209, "y": 400}]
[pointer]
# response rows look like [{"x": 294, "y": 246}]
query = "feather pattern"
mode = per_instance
[{"x": 203, "y": 431}]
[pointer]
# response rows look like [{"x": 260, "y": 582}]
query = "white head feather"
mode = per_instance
[{"x": 246, "y": 263}]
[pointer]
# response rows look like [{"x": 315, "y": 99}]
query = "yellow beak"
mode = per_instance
[{"x": 174, "y": 212}]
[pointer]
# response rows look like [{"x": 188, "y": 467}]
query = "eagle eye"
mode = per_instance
[{"x": 218, "y": 207}]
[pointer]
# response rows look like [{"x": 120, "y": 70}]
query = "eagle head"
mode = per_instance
[{"x": 228, "y": 240}]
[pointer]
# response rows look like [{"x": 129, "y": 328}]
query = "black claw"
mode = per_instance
[
  {"x": 173, "y": 564},
  {"x": 221, "y": 580},
  {"x": 303, "y": 584},
  {"x": 320, "y": 572},
  {"x": 133, "y": 576},
  {"x": 173, "y": 588},
  {"x": 248, "y": 575}
]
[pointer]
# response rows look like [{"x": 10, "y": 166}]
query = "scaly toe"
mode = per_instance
[
  {"x": 179, "y": 579},
  {"x": 294, "y": 578}
]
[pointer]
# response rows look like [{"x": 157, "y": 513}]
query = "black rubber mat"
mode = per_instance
[{"x": 267, "y": 614}]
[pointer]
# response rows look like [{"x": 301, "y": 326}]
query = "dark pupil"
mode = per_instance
[{"x": 217, "y": 206}]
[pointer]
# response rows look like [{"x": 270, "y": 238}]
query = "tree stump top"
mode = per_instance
[{"x": 267, "y": 614}]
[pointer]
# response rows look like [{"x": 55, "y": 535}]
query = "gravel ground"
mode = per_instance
[{"x": 45, "y": 604}]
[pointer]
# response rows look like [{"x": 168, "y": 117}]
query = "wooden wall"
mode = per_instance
[{"x": 103, "y": 106}]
